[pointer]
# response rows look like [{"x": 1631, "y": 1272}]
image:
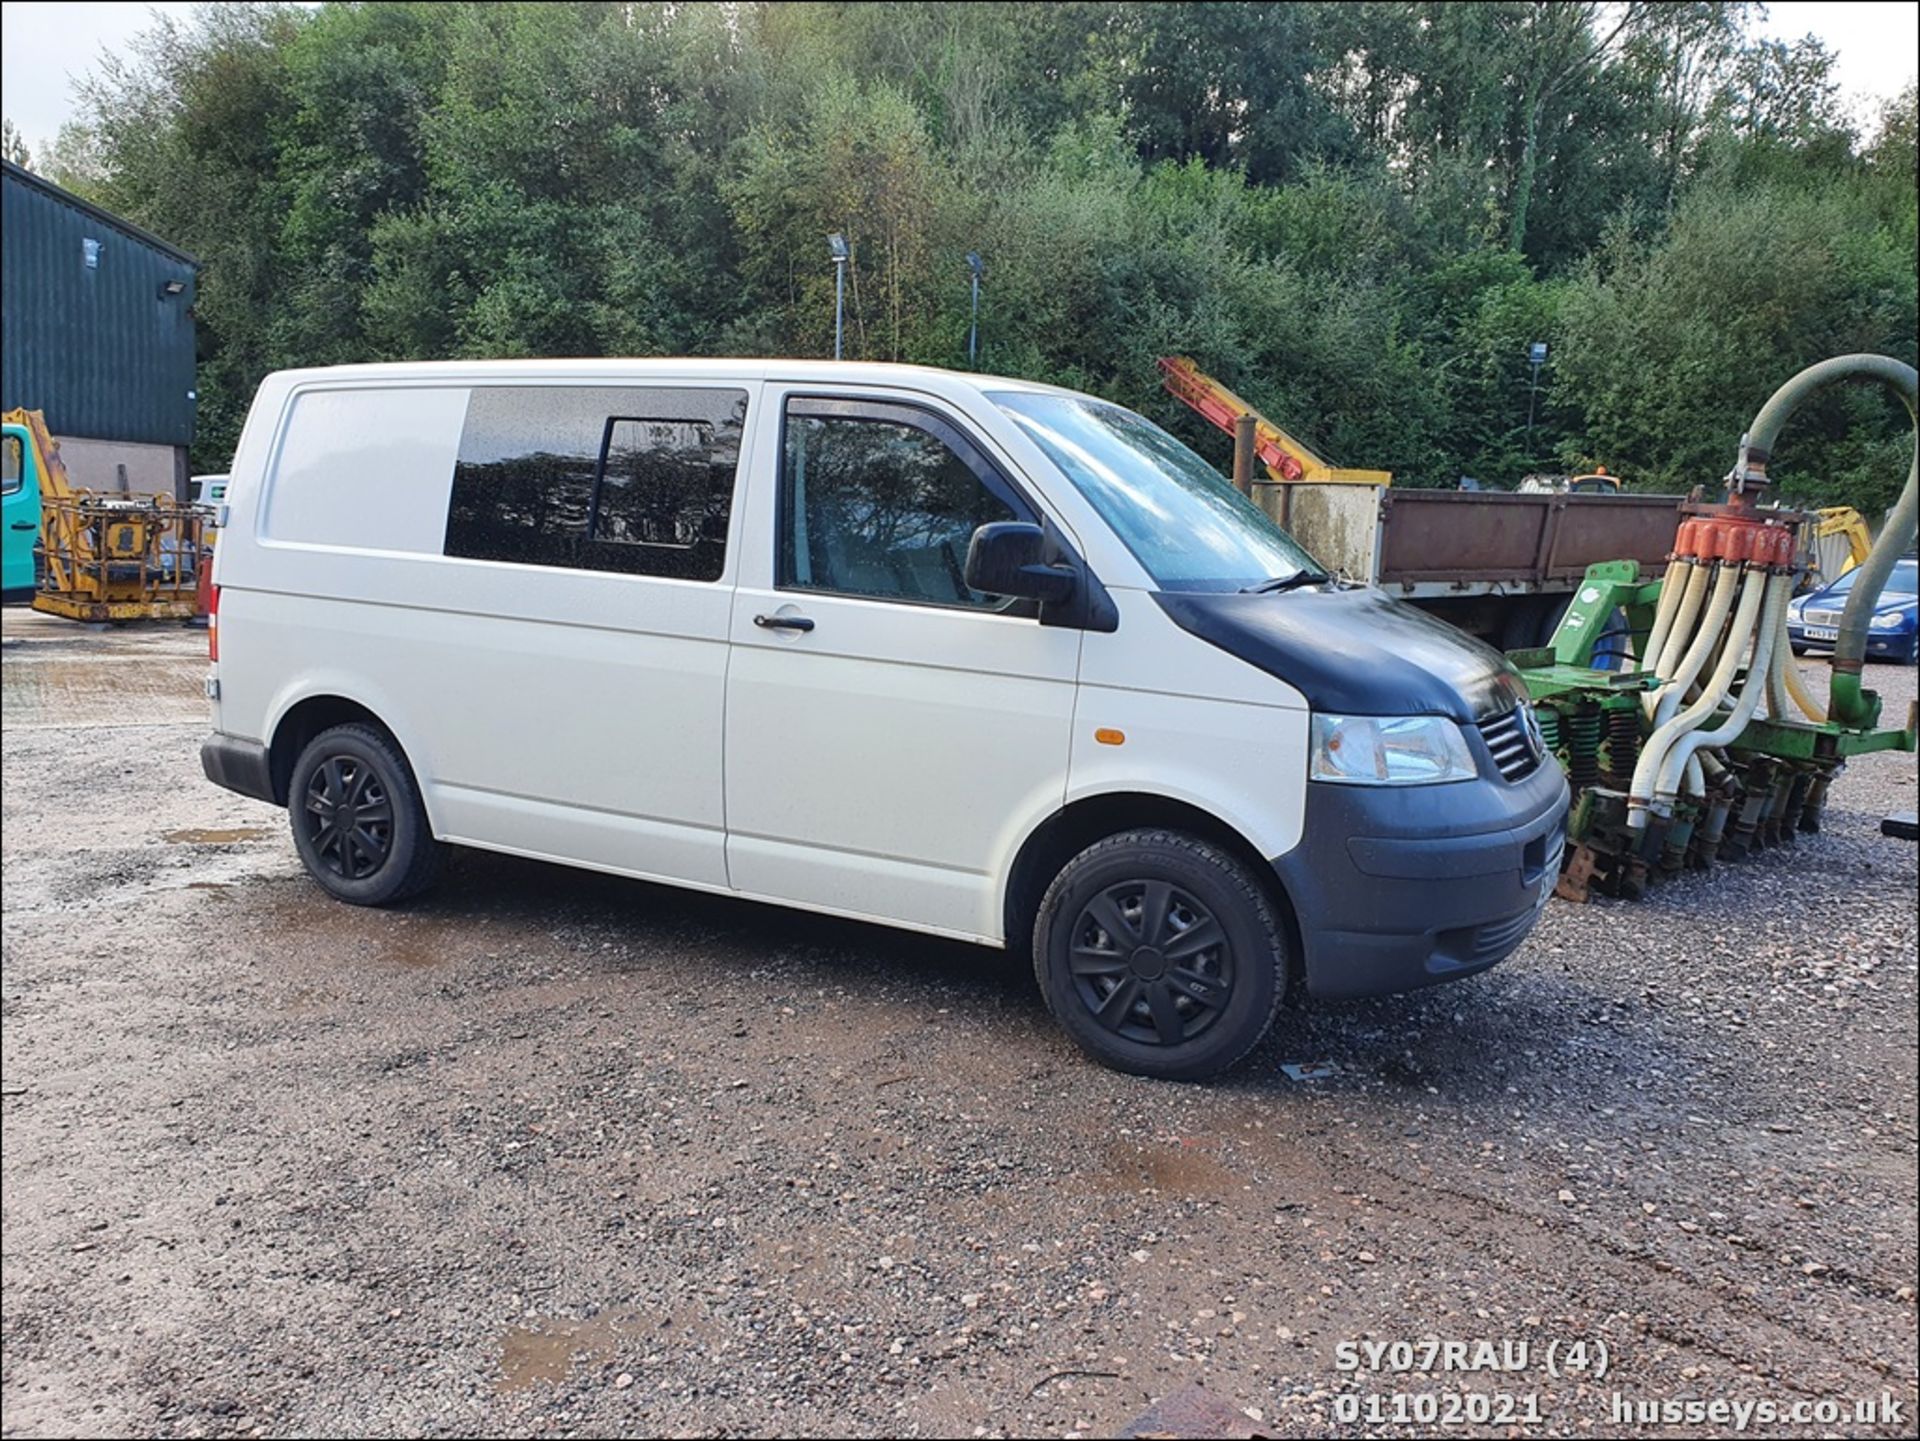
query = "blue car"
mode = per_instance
[{"x": 1813, "y": 620}]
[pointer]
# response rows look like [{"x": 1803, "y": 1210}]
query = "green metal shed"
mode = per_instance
[{"x": 96, "y": 330}]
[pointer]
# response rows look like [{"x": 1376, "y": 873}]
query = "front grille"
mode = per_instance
[
  {"x": 1821, "y": 617},
  {"x": 1514, "y": 742}
]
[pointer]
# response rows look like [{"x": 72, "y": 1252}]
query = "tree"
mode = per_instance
[
  {"x": 1560, "y": 42},
  {"x": 74, "y": 161},
  {"x": 14, "y": 146},
  {"x": 1229, "y": 84},
  {"x": 1669, "y": 348},
  {"x": 1356, "y": 214}
]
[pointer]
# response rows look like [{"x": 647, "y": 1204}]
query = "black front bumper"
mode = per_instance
[
  {"x": 239, "y": 765},
  {"x": 1398, "y": 887}
]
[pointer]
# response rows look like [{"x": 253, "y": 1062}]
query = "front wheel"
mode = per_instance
[
  {"x": 358, "y": 821},
  {"x": 1161, "y": 955}
]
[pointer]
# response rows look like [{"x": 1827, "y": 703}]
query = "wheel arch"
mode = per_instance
[
  {"x": 307, "y": 717},
  {"x": 1087, "y": 819}
]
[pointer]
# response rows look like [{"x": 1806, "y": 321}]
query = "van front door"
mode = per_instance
[
  {"x": 890, "y": 732},
  {"x": 19, "y": 514}
]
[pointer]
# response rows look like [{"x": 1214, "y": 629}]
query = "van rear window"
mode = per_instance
[{"x": 636, "y": 479}]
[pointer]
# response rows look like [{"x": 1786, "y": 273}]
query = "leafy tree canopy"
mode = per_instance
[{"x": 1359, "y": 215}]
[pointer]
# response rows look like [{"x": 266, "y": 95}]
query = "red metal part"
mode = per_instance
[{"x": 1221, "y": 407}]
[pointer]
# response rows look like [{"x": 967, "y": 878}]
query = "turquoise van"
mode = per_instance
[{"x": 19, "y": 514}]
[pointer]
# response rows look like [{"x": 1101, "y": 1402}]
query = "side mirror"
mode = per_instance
[{"x": 1008, "y": 557}]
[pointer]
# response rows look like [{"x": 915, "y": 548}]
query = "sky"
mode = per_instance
[{"x": 46, "y": 46}]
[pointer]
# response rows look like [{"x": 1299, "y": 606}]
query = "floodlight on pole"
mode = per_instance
[
  {"x": 837, "y": 244},
  {"x": 978, "y": 267},
  {"x": 1536, "y": 357}
]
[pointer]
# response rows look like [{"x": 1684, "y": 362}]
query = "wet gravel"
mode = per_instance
[{"x": 549, "y": 1153}]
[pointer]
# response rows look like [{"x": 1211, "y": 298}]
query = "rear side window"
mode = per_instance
[
  {"x": 10, "y": 476},
  {"x": 619, "y": 478}
]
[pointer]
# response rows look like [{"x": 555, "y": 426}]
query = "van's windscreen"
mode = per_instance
[{"x": 1180, "y": 517}]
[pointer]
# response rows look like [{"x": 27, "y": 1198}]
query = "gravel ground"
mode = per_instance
[{"x": 549, "y": 1153}]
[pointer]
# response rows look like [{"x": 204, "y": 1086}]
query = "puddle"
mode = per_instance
[
  {"x": 412, "y": 954},
  {"x": 304, "y": 1000},
  {"x": 1175, "y": 1170},
  {"x": 197, "y": 837},
  {"x": 418, "y": 943},
  {"x": 546, "y": 1353}
]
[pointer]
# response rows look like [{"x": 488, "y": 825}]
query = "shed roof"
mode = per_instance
[{"x": 105, "y": 217}]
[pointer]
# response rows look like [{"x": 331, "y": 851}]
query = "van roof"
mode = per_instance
[{"x": 846, "y": 372}]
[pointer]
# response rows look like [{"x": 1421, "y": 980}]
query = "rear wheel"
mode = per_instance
[
  {"x": 1160, "y": 954},
  {"x": 358, "y": 821}
]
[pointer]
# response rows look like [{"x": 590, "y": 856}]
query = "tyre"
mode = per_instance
[
  {"x": 1160, "y": 954},
  {"x": 1527, "y": 619},
  {"x": 358, "y": 822}
]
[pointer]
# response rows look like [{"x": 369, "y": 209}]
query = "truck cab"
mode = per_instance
[{"x": 19, "y": 513}]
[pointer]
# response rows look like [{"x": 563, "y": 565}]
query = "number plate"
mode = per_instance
[{"x": 1823, "y": 632}]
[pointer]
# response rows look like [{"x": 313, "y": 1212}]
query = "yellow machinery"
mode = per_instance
[
  {"x": 1285, "y": 457},
  {"x": 1841, "y": 541},
  {"x": 106, "y": 556}
]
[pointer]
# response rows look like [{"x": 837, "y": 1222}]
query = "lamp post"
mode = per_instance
[
  {"x": 837, "y": 243},
  {"x": 1536, "y": 357},
  {"x": 978, "y": 267}
]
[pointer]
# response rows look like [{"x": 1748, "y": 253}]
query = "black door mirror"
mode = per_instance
[{"x": 1008, "y": 557}]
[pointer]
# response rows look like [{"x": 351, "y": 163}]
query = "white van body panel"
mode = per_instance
[
  {"x": 574, "y": 715},
  {"x": 346, "y": 458},
  {"x": 882, "y": 762},
  {"x": 887, "y": 766},
  {"x": 1200, "y": 726}
]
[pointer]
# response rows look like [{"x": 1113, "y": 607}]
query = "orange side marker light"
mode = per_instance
[{"x": 1107, "y": 736}]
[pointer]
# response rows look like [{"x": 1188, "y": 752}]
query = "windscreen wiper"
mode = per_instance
[{"x": 1286, "y": 582}]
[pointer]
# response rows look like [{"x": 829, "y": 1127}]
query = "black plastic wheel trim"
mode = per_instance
[
  {"x": 1150, "y": 962},
  {"x": 349, "y": 817}
]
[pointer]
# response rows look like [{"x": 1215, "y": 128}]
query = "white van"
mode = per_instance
[{"x": 967, "y": 655}]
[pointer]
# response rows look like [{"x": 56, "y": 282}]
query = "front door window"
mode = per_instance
[{"x": 882, "y": 508}]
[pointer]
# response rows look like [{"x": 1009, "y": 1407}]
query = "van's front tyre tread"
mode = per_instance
[
  {"x": 1216, "y": 879},
  {"x": 414, "y": 857}
]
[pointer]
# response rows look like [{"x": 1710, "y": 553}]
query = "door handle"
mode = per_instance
[
  {"x": 783, "y": 622},
  {"x": 25, "y": 525}
]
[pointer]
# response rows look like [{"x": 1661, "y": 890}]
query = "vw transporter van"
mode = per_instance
[{"x": 972, "y": 656}]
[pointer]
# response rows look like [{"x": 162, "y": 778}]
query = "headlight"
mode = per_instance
[
  {"x": 1389, "y": 751},
  {"x": 1889, "y": 620}
]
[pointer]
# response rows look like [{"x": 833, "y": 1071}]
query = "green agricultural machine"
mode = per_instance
[{"x": 1686, "y": 731}]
